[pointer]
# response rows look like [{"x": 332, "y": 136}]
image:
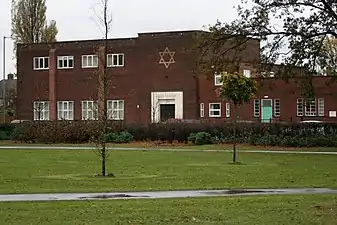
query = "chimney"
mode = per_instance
[{"x": 10, "y": 76}]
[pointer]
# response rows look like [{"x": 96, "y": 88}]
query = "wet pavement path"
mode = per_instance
[
  {"x": 163, "y": 149},
  {"x": 163, "y": 194}
]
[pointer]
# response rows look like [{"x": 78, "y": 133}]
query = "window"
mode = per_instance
[
  {"x": 300, "y": 107},
  {"x": 65, "y": 110},
  {"x": 89, "y": 110},
  {"x": 41, "y": 63},
  {"x": 115, "y": 60},
  {"x": 115, "y": 109},
  {"x": 228, "y": 110},
  {"x": 214, "y": 109},
  {"x": 202, "y": 110},
  {"x": 41, "y": 110},
  {"x": 65, "y": 62},
  {"x": 256, "y": 108},
  {"x": 217, "y": 79},
  {"x": 277, "y": 108},
  {"x": 321, "y": 107},
  {"x": 310, "y": 107},
  {"x": 246, "y": 73},
  {"x": 89, "y": 61}
]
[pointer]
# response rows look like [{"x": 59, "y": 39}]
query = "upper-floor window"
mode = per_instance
[
  {"x": 41, "y": 110},
  {"x": 41, "y": 63},
  {"x": 89, "y": 61},
  {"x": 65, "y": 62},
  {"x": 217, "y": 79},
  {"x": 247, "y": 73},
  {"x": 65, "y": 110},
  {"x": 115, "y": 60}
]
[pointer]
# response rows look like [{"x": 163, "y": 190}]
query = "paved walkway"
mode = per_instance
[
  {"x": 162, "y": 194},
  {"x": 163, "y": 149}
]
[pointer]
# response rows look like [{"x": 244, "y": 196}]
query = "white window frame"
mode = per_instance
[
  {"x": 41, "y": 113},
  {"x": 211, "y": 109},
  {"x": 299, "y": 107},
  {"x": 68, "y": 110},
  {"x": 277, "y": 107},
  {"x": 228, "y": 110},
  {"x": 89, "y": 110},
  {"x": 256, "y": 108},
  {"x": 115, "y": 113},
  {"x": 217, "y": 78},
  {"x": 110, "y": 60},
  {"x": 247, "y": 73},
  {"x": 89, "y": 61},
  {"x": 311, "y": 109},
  {"x": 202, "y": 110},
  {"x": 41, "y": 60},
  {"x": 67, "y": 59},
  {"x": 320, "y": 106}
]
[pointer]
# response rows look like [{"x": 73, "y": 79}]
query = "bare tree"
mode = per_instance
[{"x": 104, "y": 22}]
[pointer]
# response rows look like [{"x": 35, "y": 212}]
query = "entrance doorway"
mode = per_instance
[
  {"x": 267, "y": 110},
  {"x": 167, "y": 111}
]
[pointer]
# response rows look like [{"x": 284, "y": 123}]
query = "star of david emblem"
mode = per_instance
[{"x": 166, "y": 57}]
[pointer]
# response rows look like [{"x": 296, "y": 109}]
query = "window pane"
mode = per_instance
[
  {"x": 36, "y": 63},
  {"x": 121, "y": 60},
  {"x": 41, "y": 63},
  {"x": 95, "y": 60},
  {"x": 115, "y": 60},
  {"x": 84, "y": 61},
  {"x": 216, "y": 106},
  {"x": 60, "y": 63},
  {"x": 46, "y": 62}
]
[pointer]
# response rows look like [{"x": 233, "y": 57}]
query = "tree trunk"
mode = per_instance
[
  {"x": 103, "y": 161},
  {"x": 234, "y": 134}
]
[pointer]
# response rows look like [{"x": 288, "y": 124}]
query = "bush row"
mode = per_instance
[{"x": 290, "y": 135}]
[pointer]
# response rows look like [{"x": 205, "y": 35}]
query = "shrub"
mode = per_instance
[
  {"x": 200, "y": 138},
  {"x": 121, "y": 137}
]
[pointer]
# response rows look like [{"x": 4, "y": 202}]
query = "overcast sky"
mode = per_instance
[{"x": 75, "y": 18}]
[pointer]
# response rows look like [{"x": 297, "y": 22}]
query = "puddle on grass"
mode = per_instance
[{"x": 107, "y": 196}]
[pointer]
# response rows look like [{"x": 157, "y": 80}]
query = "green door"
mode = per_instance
[{"x": 267, "y": 110}]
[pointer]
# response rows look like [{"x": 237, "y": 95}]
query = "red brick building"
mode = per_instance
[{"x": 151, "y": 78}]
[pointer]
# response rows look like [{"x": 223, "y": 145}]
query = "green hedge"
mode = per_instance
[{"x": 288, "y": 135}]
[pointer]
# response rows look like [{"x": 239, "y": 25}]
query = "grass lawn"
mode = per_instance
[
  {"x": 179, "y": 146},
  {"x": 275, "y": 210},
  {"x": 35, "y": 171}
]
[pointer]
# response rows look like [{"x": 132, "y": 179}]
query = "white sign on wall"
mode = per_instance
[{"x": 332, "y": 113}]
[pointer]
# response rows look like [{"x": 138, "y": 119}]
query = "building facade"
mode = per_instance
[{"x": 152, "y": 78}]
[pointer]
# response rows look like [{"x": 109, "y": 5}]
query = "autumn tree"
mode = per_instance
[
  {"x": 327, "y": 62},
  {"x": 29, "y": 23},
  {"x": 292, "y": 33},
  {"x": 104, "y": 21},
  {"x": 237, "y": 89}
]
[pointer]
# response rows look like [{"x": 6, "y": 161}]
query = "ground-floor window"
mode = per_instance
[
  {"x": 214, "y": 109},
  {"x": 65, "y": 110},
  {"x": 41, "y": 110},
  {"x": 202, "y": 110},
  {"x": 115, "y": 109},
  {"x": 89, "y": 110},
  {"x": 312, "y": 107},
  {"x": 256, "y": 107},
  {"x": 228, "y": 110}
]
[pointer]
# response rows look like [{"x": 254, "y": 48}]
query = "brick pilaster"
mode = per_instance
[{"x": 52, "y": 86}]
